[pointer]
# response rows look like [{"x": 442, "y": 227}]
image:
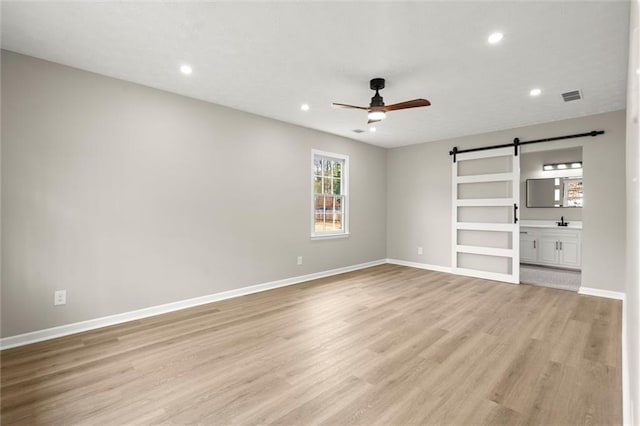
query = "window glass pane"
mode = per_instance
[
  {"x": 338, "y": 204},
  {"x": 337, "y": 171},
  {"x": 318, "y": 213},
  {"x": 317, "y": 166},
  {"x": 328, "y": 204},
  {"x": 326, "y": 217},
  {"x": 326, "y": 186},
  {"x": 326, "y": 167},
  {"x": 573, "y": 194},
  {"x": 317, "y": 185},
  {"x": 336, "y": 187},
  {"x": 333, "y": 222}
]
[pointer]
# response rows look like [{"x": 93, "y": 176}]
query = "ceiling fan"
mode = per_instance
[{"x": 377, "y": 109}]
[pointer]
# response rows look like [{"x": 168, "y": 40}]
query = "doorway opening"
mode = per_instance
[{"x": 552, "y": 191}]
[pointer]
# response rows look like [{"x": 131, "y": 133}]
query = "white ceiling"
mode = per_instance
[{"x": 270, "y": 57}]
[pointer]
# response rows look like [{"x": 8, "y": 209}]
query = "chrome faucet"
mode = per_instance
[{"x": 562, "y": 222}]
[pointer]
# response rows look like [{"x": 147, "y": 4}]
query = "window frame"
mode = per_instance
[{"x": 344, "y": 182}]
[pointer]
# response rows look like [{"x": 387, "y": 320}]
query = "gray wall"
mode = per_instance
[
  {"x": 129, "y": 197},
  {"x": 633, "y": 215},
  {"x": 531, "y": 168},
  {"x": 419, "y": 194}
]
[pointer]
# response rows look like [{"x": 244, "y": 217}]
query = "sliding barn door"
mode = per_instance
[{"x": 486, "y": 196}]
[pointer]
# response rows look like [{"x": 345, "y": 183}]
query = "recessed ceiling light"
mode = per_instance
[
  {"x": 372, "y": 129},
  {"x": 186, "y": 69},
  {"x": 561, "y": 166},
  {"x": 547, "y": 167},
  {"x": 304, "y": 107},
  {"x": 535, "y": 92},
  {"x": 576, "y": 165},
  {"x": 495, "y": 38}
]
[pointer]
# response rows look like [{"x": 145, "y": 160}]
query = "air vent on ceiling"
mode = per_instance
[
  {"x": 358, "y": 131},
  {"x": 573, "y": 95}
]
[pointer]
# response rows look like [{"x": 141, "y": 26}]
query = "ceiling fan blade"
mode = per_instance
[
  {"x": 373, "y": 121},
  {"x": 348, "y": 106},
  {"x": 415, "y": 103}
]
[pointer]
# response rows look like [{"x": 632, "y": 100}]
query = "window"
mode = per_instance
[
  {"x": 330, "y": 186},
  {"x": 573, "y": 194}
]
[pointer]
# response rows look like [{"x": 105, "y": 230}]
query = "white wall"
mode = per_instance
[
  {"x": 633, "y": 217},
  {"x": 419, "y": 194},
  {"x": 129, "y": 197}
]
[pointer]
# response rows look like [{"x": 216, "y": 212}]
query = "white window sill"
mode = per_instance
[{"x": 329, "y": 236}]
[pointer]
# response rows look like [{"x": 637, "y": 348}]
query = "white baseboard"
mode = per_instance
[
  {"x": 92, "y": 324},
  {"x": 436, "y": 268},
  {"x": 601, "y": 293}
]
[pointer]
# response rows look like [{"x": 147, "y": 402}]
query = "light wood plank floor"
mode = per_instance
[{"x": 384, "y": 345}]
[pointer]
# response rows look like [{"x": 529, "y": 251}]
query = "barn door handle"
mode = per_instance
[{"x": 515, "y": 213}]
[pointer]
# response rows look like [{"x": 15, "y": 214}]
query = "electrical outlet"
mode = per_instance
[
  {"x": 60, "y": 297},
  {"x": 299, "y": 260},
  {"x": 419, "y": 250}
]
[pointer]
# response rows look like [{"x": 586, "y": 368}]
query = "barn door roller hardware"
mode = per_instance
[{"x": 517, "y": 143}]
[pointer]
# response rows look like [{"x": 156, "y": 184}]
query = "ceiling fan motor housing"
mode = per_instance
[{"x": 376, "y": 84}]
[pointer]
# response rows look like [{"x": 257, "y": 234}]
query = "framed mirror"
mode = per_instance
[{"x": 555, "y": 192}]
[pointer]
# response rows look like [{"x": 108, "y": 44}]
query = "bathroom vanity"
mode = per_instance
[{"x": 543, "y": 242}]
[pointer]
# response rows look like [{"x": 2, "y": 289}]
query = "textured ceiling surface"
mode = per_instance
[{"x": 268, "y": 58}]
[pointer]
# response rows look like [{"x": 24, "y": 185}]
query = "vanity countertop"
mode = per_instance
[{"x": 572, "y": 224}]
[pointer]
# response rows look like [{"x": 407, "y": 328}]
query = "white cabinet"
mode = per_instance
[
  {"x": 548, "y": 249},
  {"x": 551, "y": 246},
  {"x": 570, "y": 252},
  {"x": 528, "y": 247}
]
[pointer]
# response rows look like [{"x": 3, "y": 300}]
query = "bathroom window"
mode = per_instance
[
  {"x": 329, "y": 200},
  {"x": 573, "y": 193}
]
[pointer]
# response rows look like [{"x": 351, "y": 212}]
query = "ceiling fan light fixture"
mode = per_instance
[{"x": 376, "y": 115}]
